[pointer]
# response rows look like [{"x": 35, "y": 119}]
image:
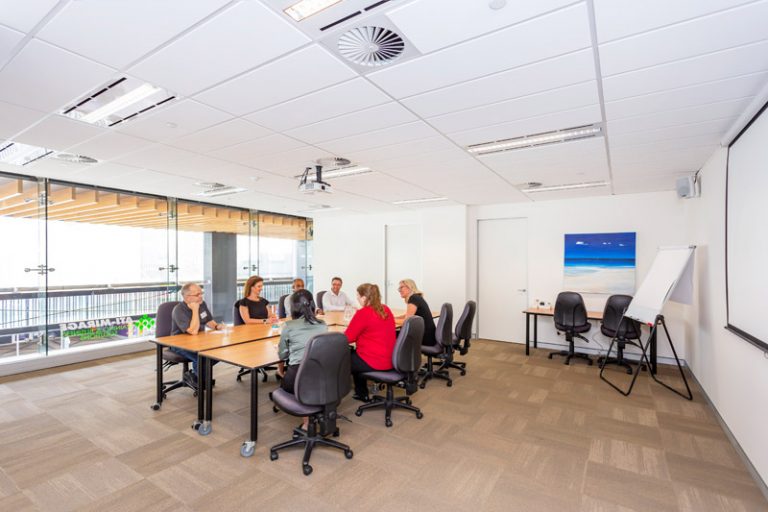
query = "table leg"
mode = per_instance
[
  {"x": 159, "y": 378},
  {"x": 535, "y": 330},
  {"x": 200, "y": 393},
  {"x": 527, "y": 334},
  {"x": 208, "y": 389},
  {"x": 248, "y": 447}
]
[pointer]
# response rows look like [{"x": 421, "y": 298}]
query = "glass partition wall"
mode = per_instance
[{"x": 85, "y": 265}]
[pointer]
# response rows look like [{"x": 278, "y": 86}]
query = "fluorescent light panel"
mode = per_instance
[
  {"x": 581, "y": 132},
  {"x": 424, "y": 200},
  {"x": 570, "y": 186},
  {"x": 138, "y": 94},
  {"x": 16, "y": 153},
  {"x": 221, "y": 191},
  {"x": 306, "y": 8},
  {"x": 349, "y": 171}
]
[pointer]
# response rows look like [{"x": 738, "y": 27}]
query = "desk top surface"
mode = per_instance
[
  {"x": 248, "y": 355},
  {"x": 592, "y": 315},
  {"x": 209, "y": 340}
]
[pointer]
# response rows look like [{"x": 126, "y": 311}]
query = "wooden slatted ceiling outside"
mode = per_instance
[{"x": 18, "y": 198}]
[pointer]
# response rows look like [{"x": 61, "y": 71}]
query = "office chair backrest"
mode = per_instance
[
  {"x": 281, "y": 306},
  {"x": 163, "y": 319},
  {"x": 237, "y": 319},
  {"x": 615, "y": 307},
  {"x": 464, "y": 325},
  {"x": 406, "y": 356},
  {"x": 320, "y": 295},
  {"x": 444, "y": 326},
  {"x": 323, "y": 376},
  {"x": 570, "y": 311}
]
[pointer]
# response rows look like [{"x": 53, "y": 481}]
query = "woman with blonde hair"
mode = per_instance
[
  {"x": 372, "y": 329},
  {"x": 416, "y": 305}
]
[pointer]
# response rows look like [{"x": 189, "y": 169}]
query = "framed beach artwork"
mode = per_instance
[{"x": 600, "y": 263}]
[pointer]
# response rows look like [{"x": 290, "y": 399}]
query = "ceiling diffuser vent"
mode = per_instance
[
  {"x": 213, "y": 189},
  {"x": 371, "y": 46},
  {"x": 75, "y": 159}
]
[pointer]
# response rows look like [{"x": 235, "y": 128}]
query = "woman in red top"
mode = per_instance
[{"x": 373, "y": 330}]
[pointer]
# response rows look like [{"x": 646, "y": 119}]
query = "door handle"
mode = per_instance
[{"x": 522, "y": 290}]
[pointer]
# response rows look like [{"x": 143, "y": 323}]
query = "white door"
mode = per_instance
[
  {"x": 502, "y": 279},
  {"x": 403, "y": 252}
]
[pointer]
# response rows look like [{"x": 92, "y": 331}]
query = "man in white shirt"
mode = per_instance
[{"x": 335, "y": 299}]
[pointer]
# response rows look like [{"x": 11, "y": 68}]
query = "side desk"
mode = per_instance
[{"x": 536, "y": 313}]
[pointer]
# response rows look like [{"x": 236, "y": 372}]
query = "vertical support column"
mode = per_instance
[{"x": 220, "y": 265}]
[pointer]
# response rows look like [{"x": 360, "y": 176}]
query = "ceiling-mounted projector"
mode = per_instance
[{"x": 310, "y": 186}]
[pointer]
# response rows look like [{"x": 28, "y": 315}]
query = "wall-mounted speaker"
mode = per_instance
[{"x": 687, "y": 187}]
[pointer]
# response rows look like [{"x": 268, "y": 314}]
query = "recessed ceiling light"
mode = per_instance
[
  {"x": 306, "y": 8},
  {"x": 339, "y": 173},
  {"x": 497, "y": 4},
  {"x": 126, "y": 100},
  {"x": 423, "y": 200},
  {"x": 569, "y": 186},
  {"x": 16, "y": 153},
  {"x": 539, "y": 139},
  {"x": 223, "y": 190}
]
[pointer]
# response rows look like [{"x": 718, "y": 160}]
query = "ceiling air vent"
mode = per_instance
[
  {"x": 371, "y": 46},
  {"x": 75, "y": 159},
  {"x": 217, "y": 189}
]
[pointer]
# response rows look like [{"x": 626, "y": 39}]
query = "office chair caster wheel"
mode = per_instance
[
  {"x": 275, "y": 409},
  {"x": 348, "y": 454},
  {"x": 388, "y": 422},
  {"x": 449, "y": 383},
  {"x": 463, "y": 373},
  {"x": 423, "y": 385},
  {"x": 419, "y": 415},
  {"x": 336, "y": 433},
  {"x": 194, "y": 393},
  {"x": 273, "y": 455},
  {"x": 358, "y": 413},
  {"x": 155, "y": 406},
  {"x": 307, "y": 469},
  {"x": 205, "y": 428},
  {"x": 247, "y": 449}
]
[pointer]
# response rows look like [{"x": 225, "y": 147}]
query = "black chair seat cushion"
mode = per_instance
[
  {"x": 288, "y": 403},
  {"x": 171, "y": 356},
  {"x": 432, "y": 350},
  {"x": 576, "y": 329},
  {"x": 385, "y": 376}
]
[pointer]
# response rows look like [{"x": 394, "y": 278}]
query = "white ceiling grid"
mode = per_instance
[{"x": 260, "y": 97}]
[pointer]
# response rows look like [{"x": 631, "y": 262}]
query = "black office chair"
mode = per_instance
[
  {"x": 463, "y": 334},
  {"x": 442, "y": 350},
  {"x": 238, "y": 320},
  {"x": 322, "y": 381},
  {"x": 406, "y": 360},
  {"x": 320, "y": 295},
  {"x": 163, "y": 327},
  {"x": 571, "y": 318},
  {"x": 621, "y": 331},
  {"x": 281, "y": 313}
]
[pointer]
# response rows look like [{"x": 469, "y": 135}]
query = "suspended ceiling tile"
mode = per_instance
[
  {"x": 616, "y": 19},
  {"x": 580, "y": 116},
  {"x": 289, "y": 163},
  {"x": 23, "y": 15},
  {"x": 248, "y": 152},
  {"x": 535, "y": 105},
  {"x": 114, "y": 39},
  {"x": 710, "y": 92},
  {"x": 110, "y": 145},
  {"x": 14, "y": 119},
  {"x": 46, "y": 78},
  {"x": 302, "y": 72},
  {"x": 377, "y": 138},
  {"x": 561, "y": 32},
  {"x": 173, "y": 121},
  {"x": 727, "y": 29},
  {"x": 382, "y": 187},
  {"x": 236, "y": 40},
  {"x": 435, "y": 24},
  {"x": 396, "y": 154},
  {"x": 705, "y": 68},
  {"x": 221, "y": 135},
  {"x": 566, "y": 154},
  {"x": 334, "y": 101},
  {"x": 715, "y": 128},
  {"x": 9, "y": 38},
  {"x": 559, "y": 195},
  {"x": 382, "y": 116},
  {"x": 58, "y": 133},
  {"x": 641, "y": 184},
  {"x": 541, "y": 76}
]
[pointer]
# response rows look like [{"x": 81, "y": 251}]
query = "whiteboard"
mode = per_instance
[{"x": 670, "y": 277}]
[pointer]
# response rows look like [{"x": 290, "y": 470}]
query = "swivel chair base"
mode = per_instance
[
  {"x": 389, "y": 402},
  {"x": 309, "y": 440},
  {"x": 428, "y": 372},
  {"x": 571, "y": 355}
]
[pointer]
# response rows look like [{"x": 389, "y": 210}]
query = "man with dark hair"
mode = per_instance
[
  {"x": 190, "y": 317},
  {"x": 335, "y": 299}
]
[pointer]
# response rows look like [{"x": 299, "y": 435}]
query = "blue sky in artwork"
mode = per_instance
[{"x": 602, "y": 249}]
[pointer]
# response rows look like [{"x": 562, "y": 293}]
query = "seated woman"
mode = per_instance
[
  {"x": 295, "y": 336},
  {"x": 373, "y": 330},
  {"x": 253, "y": 307},
  {"x": 419, "y": 307}
]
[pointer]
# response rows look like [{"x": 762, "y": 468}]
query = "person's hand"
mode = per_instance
[
  {"x": 195, "y": 306},
  {"x": 319, "y": 312},
  {"x": 219, "y": 327}
]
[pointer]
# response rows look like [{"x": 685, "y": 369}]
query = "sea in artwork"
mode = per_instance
[{"x": 600, "y": 263}]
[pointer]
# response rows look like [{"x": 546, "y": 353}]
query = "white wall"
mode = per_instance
[
  {"x": 657, "y": 218},
  {"x": 353, "y": 247},
  {"x": 733, "y": 373}
]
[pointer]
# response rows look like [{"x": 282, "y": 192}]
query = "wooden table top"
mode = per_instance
[
  {"x": 592, "y": 315},
  {"x": 209, "y": 339},
  {"x": 248, "y": 355},
  {"x": 337, "y": 317}
]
